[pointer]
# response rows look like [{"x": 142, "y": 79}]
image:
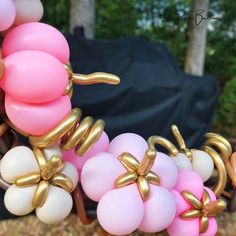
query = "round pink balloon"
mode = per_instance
[
  {"x": 159, "y": 210},
  {"x": 120, "y": 211},
  {"x": 78, "y": 161},
  {"x": 37, "y": 119},
  {"x": 189, "y": 181},
  {"x": 166, "y": 169},
  {"x": 24, "y": 15},
  {"x": 212, "y": 228},
  {"x": 36, "y": 36},
  {"x": 7, "y": 14},
  {"x": 181, "y": 227},
  {"x": 128, "y": 142},
  {"x": 34, "y": 77},
  {"x": 99, "y": 175},
  {"x": 181, "y": 204}
]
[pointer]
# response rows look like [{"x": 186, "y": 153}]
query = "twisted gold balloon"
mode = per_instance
[
  {"x": 1, "y": 67},
  {"x": 94, "y": 78},
  {"x": 49, "y": 174},
  {"x": 202, "y": 209},
  {"x": 73, "y": 135},
  {"x": 139, "y": 173}
]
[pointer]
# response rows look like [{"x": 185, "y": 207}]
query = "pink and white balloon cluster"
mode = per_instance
[
  {"x": 122, "y": 210},
  {"x": 16, "y": 12}
]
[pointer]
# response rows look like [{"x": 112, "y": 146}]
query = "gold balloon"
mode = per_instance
[
  {"x": 202, "y": 209},
  {"x": 1, "y": 68},
  {"x": 139, "y": 173},
  {"x": 49, "y": 174}
]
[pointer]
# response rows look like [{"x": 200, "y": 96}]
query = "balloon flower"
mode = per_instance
[
  {"x": 40, "y": 180},
  {"x": 131, "y": 188},
  {"x": 196, "y": 206}
]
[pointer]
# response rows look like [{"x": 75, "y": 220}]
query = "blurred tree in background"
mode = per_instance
[{"x": 167, "y": 22}]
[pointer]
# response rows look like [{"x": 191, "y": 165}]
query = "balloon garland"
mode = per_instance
[{"x": 135, "y": 185}]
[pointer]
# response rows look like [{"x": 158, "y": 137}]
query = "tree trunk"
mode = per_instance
[
  {"x": 82, "y": 13},
  {"x": 197, "y": 34}
]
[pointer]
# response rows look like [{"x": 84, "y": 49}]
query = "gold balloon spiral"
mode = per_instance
[{"x": 219, "y": 156}]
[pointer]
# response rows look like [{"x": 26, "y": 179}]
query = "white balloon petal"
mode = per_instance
[
  {"x": 202, "y": 164},
  {"x": 57, "y": 206},
  {"x": 16, "y": 162},
  {"x": 18, "y": 200},
  {"x": 28, "y": 11},
  {"x": 182, "y": 162},
  {"x": 52, "y": 151}
]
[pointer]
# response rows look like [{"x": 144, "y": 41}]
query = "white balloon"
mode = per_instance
[
  {"x": 182, "y": 162},
  {"x": 57, "y": 206},
  {"x": 18, "y": 200},
  {"x": 202, "y": 164},
  {"x": 71, "y": 172},
  {"x": 52, "y": 151},
  {"x": 16, "y": 162},
  {"x": 28, "y": 11}
]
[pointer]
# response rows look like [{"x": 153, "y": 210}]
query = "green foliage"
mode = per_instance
[
  {"x": 226, "y": 114},
  {"x": 115, "y": 18},
  {"x": 56, "y": 13}
]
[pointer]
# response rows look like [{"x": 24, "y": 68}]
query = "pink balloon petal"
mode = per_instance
[
  {"x": 99, "y": 175},
  {"x": 128, "y": 142},
  {"x": 181, "y": 227},
  {"x": 159, "y": 210},
  {"x": 212, "y": 228},
  {"x": 189, "y": 181},
  {"x": 211, "y": 193},
  {"x": 166, "y": 169},
  {"x": 181, "y": 204},
  {"x": 120, "y": 211}
]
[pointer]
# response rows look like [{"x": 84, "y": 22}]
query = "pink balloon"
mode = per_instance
[
  {"x": 189, "y": 181},
  {"x": 181, "y": 227},
  {"x": 212, "y": 228},
  {"x": 34, "y": 77},
  {"x": 37, "y": 119},
  {"x": 99, "y": 174},
  {"x": 161, "y": 164},
  {"x": 120, "y": 211},
  {"x": 211, "y": 193},
  {"x": 181, "y": 204},
  {"x": 159, "y": 210},
  {"x": 7, "y": 14},
  {"x": 128, "y": 142},
  {"x": 78, "y": 161},
  {"x": 36, "y": 36}
]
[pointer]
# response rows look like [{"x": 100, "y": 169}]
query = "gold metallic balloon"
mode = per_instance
[
  {"x": 49, "y": 174},
  {"x": 139, "y": 173},
  {"x": 202, "y": 209}
]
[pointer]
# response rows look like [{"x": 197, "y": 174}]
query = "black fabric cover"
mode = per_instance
[{"x": 153, "y": 94}]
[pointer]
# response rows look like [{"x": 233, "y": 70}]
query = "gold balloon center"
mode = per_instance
[
  {"x": 202, "y": 209},
  {"x": 139, "y": 173},
  {"x": 50, "y": 173}
]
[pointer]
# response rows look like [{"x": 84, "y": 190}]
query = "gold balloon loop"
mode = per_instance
[
  {"x": 2, "y": 68},
  {"x": 222, "y": 174},
  {"x": 220, "y": 143},
  {"x": 72, "y": 135},
  {"x": 158, "y": 140}
]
